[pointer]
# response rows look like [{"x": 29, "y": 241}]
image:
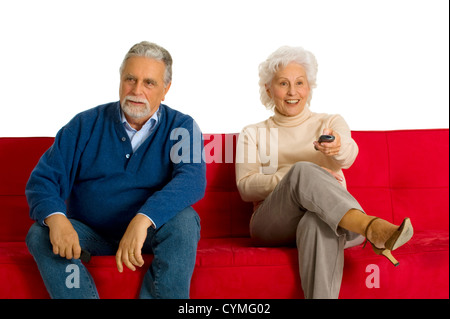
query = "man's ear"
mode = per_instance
[{"x": 166, "y": 89}]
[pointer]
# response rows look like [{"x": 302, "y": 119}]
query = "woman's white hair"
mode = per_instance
[
  {"x": 280, "y": 59},
  {"x": 152, "y": 51}
]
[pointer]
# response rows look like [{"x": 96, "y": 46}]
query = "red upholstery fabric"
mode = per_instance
[{"x": 390, "y": 178}]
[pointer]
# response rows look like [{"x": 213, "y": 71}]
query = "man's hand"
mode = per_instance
[
  {"x": 63, "y": 237},
  {"x": 130, "y": 245},
  {"x": 331, "y": 148}
]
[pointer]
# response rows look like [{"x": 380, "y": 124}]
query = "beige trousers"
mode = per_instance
[{"x": 305, "y": 209}]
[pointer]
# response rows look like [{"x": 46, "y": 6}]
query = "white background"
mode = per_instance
[{"x": 383, "y": 65}]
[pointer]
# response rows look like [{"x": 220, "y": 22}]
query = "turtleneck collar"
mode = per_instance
[{"x": 291, "y": 121}]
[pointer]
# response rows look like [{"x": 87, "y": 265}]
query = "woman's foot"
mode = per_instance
[
  {"x": 380, "y": 231},
  {"x": 400, "y": 236}
]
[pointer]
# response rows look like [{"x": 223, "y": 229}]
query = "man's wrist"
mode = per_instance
[
  {"x": 145, "y": 219},
  {"x": 54, "y": 218}
]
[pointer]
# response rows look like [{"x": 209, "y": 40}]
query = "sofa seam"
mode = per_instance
[{"x": 389, "y": 177}]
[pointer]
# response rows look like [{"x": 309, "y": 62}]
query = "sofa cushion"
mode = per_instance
[{"x": 234, "y": 268}]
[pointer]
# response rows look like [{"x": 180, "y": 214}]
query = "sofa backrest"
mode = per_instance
[
  {"x": 18, "y": 156},
  {"x": 401, "y": 174},
  {"x": 222, "y": 212},
  {"x": 397, "y": 174}
]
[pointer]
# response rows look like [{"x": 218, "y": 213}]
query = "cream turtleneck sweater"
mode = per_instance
[{"x": 267, "y": 150}]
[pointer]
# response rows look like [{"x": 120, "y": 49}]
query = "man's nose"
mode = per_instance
[{"x": 137, "y": 89}]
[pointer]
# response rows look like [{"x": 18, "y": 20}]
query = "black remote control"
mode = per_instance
[
  {"x": 326, "y": 138},
  {"x": 85, "y": 256}
]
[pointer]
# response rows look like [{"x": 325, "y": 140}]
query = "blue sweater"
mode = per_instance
[{"x": 91, "y": 174}]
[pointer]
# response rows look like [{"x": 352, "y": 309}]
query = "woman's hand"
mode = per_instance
[
  {"x": 329, "y": 148},
  {"x": 338, "y": 177}
]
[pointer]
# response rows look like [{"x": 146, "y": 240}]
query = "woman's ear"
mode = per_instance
[{"x": 268, "y": 90}]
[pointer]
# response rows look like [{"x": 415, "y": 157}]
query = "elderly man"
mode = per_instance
[{"x": 110, "y": 185}]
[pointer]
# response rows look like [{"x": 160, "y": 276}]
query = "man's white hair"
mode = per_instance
[{"x": 152, "y": 51}]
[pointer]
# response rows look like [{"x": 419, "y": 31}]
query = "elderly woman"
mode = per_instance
[{"x": 296, "y": 182}]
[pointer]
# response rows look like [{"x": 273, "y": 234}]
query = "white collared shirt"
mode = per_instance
[{"x": 138, "y": 137}]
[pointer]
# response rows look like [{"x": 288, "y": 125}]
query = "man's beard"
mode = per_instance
[{"x": 135, "y": 112}]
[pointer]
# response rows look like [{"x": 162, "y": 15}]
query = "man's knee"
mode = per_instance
[
  {"x": 188, "y": 215},
  {"x": 187, "y": 218},
  {"x": 185, "y": 225},
  {"x": 37, "y": 238}
]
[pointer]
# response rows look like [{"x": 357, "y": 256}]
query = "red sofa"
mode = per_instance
[{"x": 397, "y": 174}]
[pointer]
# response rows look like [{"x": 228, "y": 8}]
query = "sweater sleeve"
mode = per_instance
[
  {"x": 252, "y": 183},
  {"x": 52, "y": 178},
  {"x": 349, "y": 149},
  {"x": 188, "y": 180}
]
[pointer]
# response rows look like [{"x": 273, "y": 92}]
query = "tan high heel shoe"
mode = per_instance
[{"x": 402, "y": 235}]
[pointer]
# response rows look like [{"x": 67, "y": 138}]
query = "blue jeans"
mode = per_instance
[{"x": 174, "y": 246}]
